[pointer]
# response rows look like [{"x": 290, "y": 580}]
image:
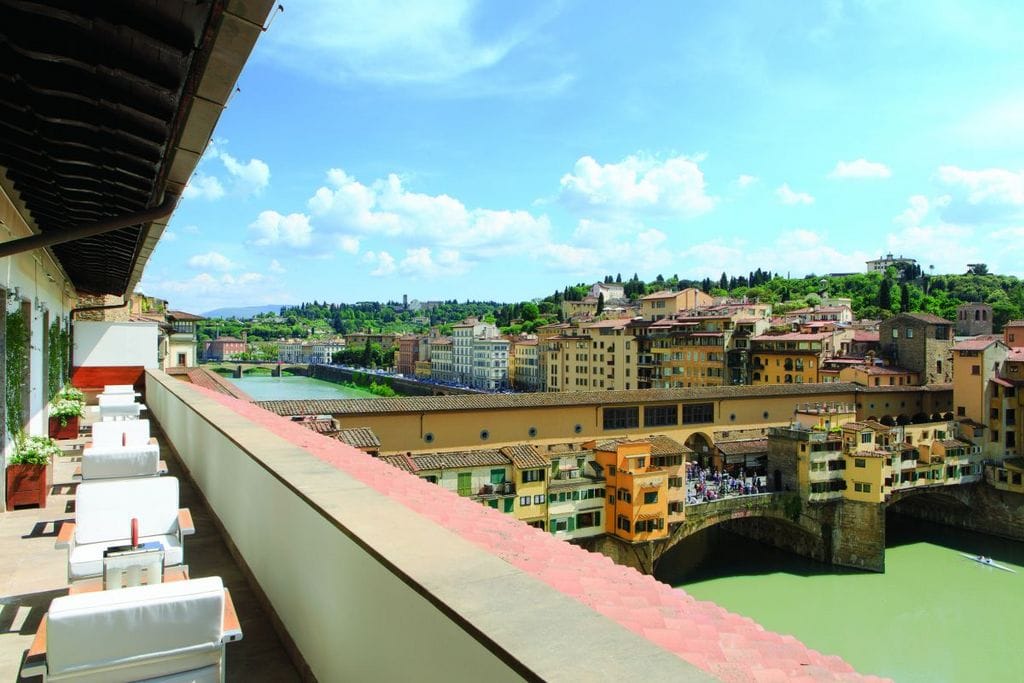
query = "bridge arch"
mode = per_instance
[{"x": 703, "y": 445}]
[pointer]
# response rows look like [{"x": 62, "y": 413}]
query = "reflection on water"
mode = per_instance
[
  {"x": 294, "y": 387},
  {"x": 932, "y": 616}
]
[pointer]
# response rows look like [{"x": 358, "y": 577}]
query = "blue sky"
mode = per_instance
[{"x": 503, "y": 150}]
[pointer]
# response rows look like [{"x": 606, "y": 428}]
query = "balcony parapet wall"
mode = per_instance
[{"x": 368, "y": 589}]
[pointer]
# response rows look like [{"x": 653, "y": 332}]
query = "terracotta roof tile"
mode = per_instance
[
  {"x": 742, "y": 446},
  {"x": 320, "y": 426},
  {"x": 977, "y": 343},
  {"x": 360, "y": 437},
  {"x": 525, "y": 456},
  {"x": 663, "y": 445},
  {"x": 454, "y": 459}
]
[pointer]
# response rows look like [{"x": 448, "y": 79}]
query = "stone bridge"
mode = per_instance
[
  {"x": 239, "y": 370},
  {"x": 841, "y": 532}
]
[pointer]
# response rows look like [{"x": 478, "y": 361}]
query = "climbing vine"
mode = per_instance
[
  {"x": 17, "y": 368},
  {"x": 59, "y": 362}
]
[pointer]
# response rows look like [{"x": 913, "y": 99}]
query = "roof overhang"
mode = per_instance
[{"x": 105, "y": 110}]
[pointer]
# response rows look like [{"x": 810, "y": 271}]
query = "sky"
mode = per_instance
[{"x": 501, "y": 151}]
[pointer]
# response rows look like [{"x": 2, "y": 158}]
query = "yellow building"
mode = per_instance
[
  {"x": 665, "y": 304},
  {"x": 531, "y": 480},
  {"x": 598, "y": 356},
  {"x": 982, "y": 396},
  {"x": 877, "y": 376},
  {"x": 688, "y": 351},
  {"x": 866, "y": 450},
  {"x": 792, "y": 358}
]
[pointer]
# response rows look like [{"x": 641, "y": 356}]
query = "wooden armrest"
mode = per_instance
[
  {"x": 231, "y": 627},
  {"x": 161, "y": 467},
  {"x": 35, "y": 660},
  {"x": 185, "y": 525},
  {"x": 65, "y": 535}
]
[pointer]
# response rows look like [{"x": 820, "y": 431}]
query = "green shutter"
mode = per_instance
[
  {"x": 493, "y": 503},
  {"x": 510, "y": 504},
  {"x": 497, "y": 476},
  {"x": 572, "y": 524},
  {"x": 551, "y": 498},
  {"x": 597, "y": 518},
  {"x": 553, "y": 526},
  {"x": 575, "y": 495},
  {"x": 465, "y": 483}
]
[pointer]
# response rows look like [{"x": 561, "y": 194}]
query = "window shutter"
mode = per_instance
[{"x": 572, "y": 524}]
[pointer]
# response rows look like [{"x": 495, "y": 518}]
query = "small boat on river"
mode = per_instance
[{"x": 988, "y": 562}]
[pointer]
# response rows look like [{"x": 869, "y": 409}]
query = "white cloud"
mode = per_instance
[
  {"x": 206, "y": 291},
  {"x": 674, "y": 186},
  {"x": 244, "y": 179},
  {"x": 403, "y": 42},
  {"x": 276, "y": 267},
  {"x": 169, "y": 236},
  {"x": 422, "y": 262},
  {"x": 991, "y": 185},
  {"x": 191, "y": 230},
  {"x": 211, "y": 260},
  {"x": 860, "y": 169},
  {"x": 201, "y": 186},
  {"x": 385, "y": 208},
  {"x": 926, "y": 237},
  {"x": 248, "y": 178},
  {"x": 272, "y": 229},
  {"x": 382, "y": 263},
  {"x": 788, "y": 196},
  {"x": 746, "y": 180},
  {"x": 796, "y": 252}
]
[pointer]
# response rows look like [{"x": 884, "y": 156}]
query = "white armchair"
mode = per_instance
[
  {"x": 103, "y": 514},
  {"x": 172, "y": 631},
  {"x": 123, "y": 433}
]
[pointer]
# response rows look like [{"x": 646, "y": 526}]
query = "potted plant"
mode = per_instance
[
  {"x": 64, "y": 414},
  {"x": 27, "y": 470}
]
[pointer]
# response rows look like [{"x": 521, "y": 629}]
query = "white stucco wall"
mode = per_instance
[{"x": 114, "y": 344}]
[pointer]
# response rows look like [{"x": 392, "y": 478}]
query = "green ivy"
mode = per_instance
[
  {"x": 59, "y": 361},
  {"x": 17, "y": 368}
]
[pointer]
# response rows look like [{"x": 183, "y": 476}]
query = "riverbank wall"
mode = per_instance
[{"x": 404, "y": 386}]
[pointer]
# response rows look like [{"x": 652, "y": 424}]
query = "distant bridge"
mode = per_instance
[{"x": 240, "y": 369}]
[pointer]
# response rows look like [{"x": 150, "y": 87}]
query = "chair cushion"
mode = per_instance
[
  {"x": 104, "y": 509},
  {"x": 86, "y": 560},
  {"x": 115, "y": 399},
  {"x": 113, "y": 433},
  {"x": 118, "y": 462},
  {"x": 135, "y": 625}
]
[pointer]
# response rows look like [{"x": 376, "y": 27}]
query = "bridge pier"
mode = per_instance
[
  {"x": 857, "y": 535},
  {"x": 238, "y": 372},
  {"x": 275, "y": 371}
]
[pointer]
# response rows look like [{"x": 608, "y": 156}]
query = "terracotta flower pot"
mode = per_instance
[
  {"x": 26, "y": 485},
  {"x": 69, "y": 431}
]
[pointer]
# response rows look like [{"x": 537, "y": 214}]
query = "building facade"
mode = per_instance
[
  {"x": 973, "y": 319},
  {"x": 921, "y": 342}
]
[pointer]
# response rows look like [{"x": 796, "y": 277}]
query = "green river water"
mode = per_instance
[
  {"x": 295, "y": 387},
  {"x": 932, "y": 616}
]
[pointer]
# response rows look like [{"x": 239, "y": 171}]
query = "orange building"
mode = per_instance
[{"x": 636, "y": 490}]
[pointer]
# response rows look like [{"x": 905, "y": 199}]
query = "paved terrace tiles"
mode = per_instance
[
  {"x": 418, "y": 404},
  {"x": 726, "y": 645},
  {"x": 33, "y": 572}
]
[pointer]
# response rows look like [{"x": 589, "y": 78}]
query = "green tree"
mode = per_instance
[
  {"x": 529, "y": 311},
  {"x": 600, "y": 303},
  {"x": 904, "y": 298},
  {"x": 885, "y": 295}
]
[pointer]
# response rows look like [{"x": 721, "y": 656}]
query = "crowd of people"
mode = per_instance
[{"x": 705, "y": 484}]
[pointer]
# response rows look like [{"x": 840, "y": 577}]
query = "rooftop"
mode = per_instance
[{"x": 416, "y": 404}]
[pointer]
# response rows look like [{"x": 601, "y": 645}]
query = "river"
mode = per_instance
[
  {"x": 295, "y": 387},
  {"x": 932, "y": 616}
]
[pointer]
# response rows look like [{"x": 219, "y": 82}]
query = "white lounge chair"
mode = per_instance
[
  {"x": 173, "y": 631},
  {"x": 103, "y": 514},
  {"x": 121, "y": 462},
  {"x": 121, "y": 433}
]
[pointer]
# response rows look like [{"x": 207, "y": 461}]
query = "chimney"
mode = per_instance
[{"x": 245, "y": 335}]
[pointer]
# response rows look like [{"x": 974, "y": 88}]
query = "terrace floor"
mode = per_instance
[{"x": 33, "y": 572}]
